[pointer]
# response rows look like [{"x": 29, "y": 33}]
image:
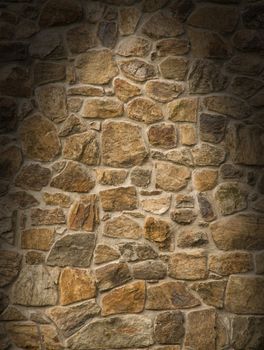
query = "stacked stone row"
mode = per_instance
[{"x": 131, "y": 174}]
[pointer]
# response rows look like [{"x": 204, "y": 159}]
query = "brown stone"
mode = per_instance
[
  {"x": 39, "y": 138},
  {"x": 188, "y": 266},
  {"x": 189, "y": 238},
  {"x": 149, "y": 270},
  {"x": 184, "y": 200},
  {"x": 211, "y": 292},
  {"x": 59, "y": 199},
  {"x": 57, "y": 13},
  {"x": 201, "y": 332},
  {"x": 249, "y": 64},
  {"x": 230, "y": 198},
  {"x": 171, "y": 177},
  {"x": 9, "y": 266},
  {"x": 72, "y": 250},
  {"x": 137, "y": 69},
  {"x": 126, "y": 299},
  {"x": 74, "y": 178},
  {"x": 104, "y": 253},
  {"x": 158, "y": 231},
  {"x": 110, "y": 177},
  {"x": 11, "y": 313},
  {"x": 144, "y": 110},
  {"x": 168, "y": 328},
  {"x": 15, "y": 81},
  {"x": 85, "y": 90},
  {"x": 153, "y": 5},
  {"x": 125, "y": 90},
  {"x": 96, "y": 67},
  {"x": 162, "y": 135},
  {"x": 259, "y": 263},
  {"x": 123, "y": 227},
  {"x": 94, "y": 11},
  {"x": 22, "y": 199},
  {"x": 102, "y": 108},
  {"x": 48, "y": 72},
  {"x": 206, "y": 154},
  {"x": 72, "y": 125},
  {"x": 38, "y": 238},
  {"x": 212, "y": 127},
  {"x": 161, "y": 25},
  {"x": 76, "y": 285},
  {"x": 118, "y": 199},
  {"x": 181, "y": 155},
  {"x": 206, "y": 207},
  {"x": 33, "y": 177},
  {"x": 250, "y": 299},
  {"x": 172, "y": 47},
  {"x": 140, "y": 177},
  {"x": 169, "y": 296},
  {"x": 81, "y": 38},
  {"x": 229, "y": 263},
  {"x": 112, "y": 275},
  {"x": 136, "y": 252},
  {"x": 245, "y": 87},
  {"x": 163, "y": 91},
  {"x": 48, "y": 44},
  {"x": 134, "y": 46},
  {"x": 35, "y": 258},
  {"x": 10, "y": 162},
  {"x": 128, "y": 20},
  {"x": 122, "y": 145},
  {"x": 47, "y": 216},
  {"x": 187, "y": 134},
  {"x": 8, "y": 114},
  {"x": 183, "y": 110},
  {"x": 215, "y": 17},
  {"x": 174, "y": 68},
  {"x": 157, "y": 205},
  {"x": 204, "y": 179},
  {"x": 13, "y": 51},
  {"x": 183, "y": 216},
  {"x": 243, "y": 231},
  {"x": 253, "y": 16}
]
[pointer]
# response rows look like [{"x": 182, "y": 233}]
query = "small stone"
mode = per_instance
[
  {"x": 10, "y": 262},
  {"x": 157, "y": 231},
  {"x": 206, "y": 154},
  {"x": 110, "y": 177},
  {"x": 183, "y": 110},
  {"x": 219, "y": 18},
  {"x": 187, "y": 134},
  {"x": 36, "y": 286},
  {"x": 201, "y": 332},
  {"x": 35, "y": 258},
  {"x": 242, "y": 231},
  {"x": 33, "y": 177},
  {"x": 62, "y": 12},
  {"x": 128, "y": 20},
  {"x": 149, "y": 270},
  {"x": 74, "y": 178},
  {"x": 170, "y": 295},
  {"x": 136, "y": 252},
  {"x": 70, "y": 319},
  {"x": 76, "y": 285},
  {"x": 137, "y": 70},
  {"x": 96, "y": 67},
  {"x": 183, "y": 216},
  {"x": 189, "y": 238},
  {"x": 153, "y": 5},
  {"x": 171, "y": 177},
  {"x": 174, "y": 68},
  {"x": 225, "y": 264},
  {"x": 158, "y": 205},
  {"x": 162, "y": 136},
  {"x": 144, "y": 110},
  {"x": 47, "y": 216},
  {"x": 38, "y": 238},
  {"x": 112, "y": 275},
  {"x": 212, "y": 127},
  {"x": 56, "y": 199},
  {"x": 206, "y": 208},
  {"x": 123, "y": 227},
  {"x": 118, "y": 199},
  {"x": 48, "y": 72},
  {"x": 102, "y": 108},
  {"x": 212, "y": 292},
  {"x": 107, "y": 33},
  {"x": 180, "y": 156},
  {"x": 81, "y": 38},
  {"x": 72, "y": 250},
  {"x": 163, "y": 91},
  {"x": 126, "y": 299},
  {"x": 122, "y": 145},
  {"x": 125, "y": 90},
  {"x": 172, "y": 47},
  {"x": 86, "y": 90},
  {"x": 250, "y": 299},
  {"x": 10, "y": 162},
  {"x": 134, "y": 46},
  {"x": 160, "y": 25},
  {"x": 39, "y": 138},
  {"x": 140, "y": 177},
  {"x": 188, "y": 266},
  {"x": 168, "y": 328},
  {"x": 205, "y": 179},
  {"x": 104, "y": 253},
  {"x": 109, "y": 333}
]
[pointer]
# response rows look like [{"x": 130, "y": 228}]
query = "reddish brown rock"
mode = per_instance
[
  {"x": 118, "y": 199},
  {"x": 157, "y": 231},
  {"x": 38, "y": 238},
  {"x": 162, "y": 136},
  {"x": 212, "y": 292}
]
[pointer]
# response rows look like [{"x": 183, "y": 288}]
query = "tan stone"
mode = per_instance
[
  {"x": 229, "y": 263},
  {"x": 126, "y": 299},
  {"x": 212, "y": 292},
  {"x": 159, "y": 205},
  {"x": 123, "y": 227},
  {"x": 39, "y": 138},
  {"x": 188, "y": 266},
  {"x": 171, "y": 177},
  {"x": 122, "y": 145},
  {"x": 104, "y": 253},
  {"x": 168, "y": 327},
  {"x": 118, "y": 199},
  {"x": 140, "y": 177},
  {"x": 110, "y": 177},
  {"x": 96, "y": 67},
  {"x": 76, "y": 285},
  {"x": 137, "y": 69},
  {"x": 86, "y": 90},
  {"x": 74, "y": 104},
  {"x": 22, "y": 199},
  {"x": 102, "y": 108},
  {"x": 144, "y": 110},
  {"x": 9, "y": 266},
  {"x": 163, "y": 91},
  {"x": 47, "y": 216},
  {"x": 125, "y": 90},
  {"x": 11, "y": 313},
  {"x": 158, "y": 231},
  {"x": 72, "y": 125},
  {"x": 162, "y": 135},
  {"x": 24, "y": 335},
  {"x": 204, "y": 179},
  {"x": 206, "y": 154},
  {"x": 187, "y": 134},
  {"x": 55, "y": 199},
  {"x": 33, "y": 177},
  {"x": 151, "y": 270},
  {"x": 84, "y": 214},
  {"x": 172, "y": 47},
  {"x": 250, "y": 299},
  {"x": 183, "y": 216},
  {"x": 169, "y": 296},
  {"x": 128, "y": 20},
  {"x": 183, "y": 110},
  {"x": 134, "y": 46},
  {"x": 230, "y": 198},
  {"x": 174, "y": 68},
  {"x": 161, "y": 25},
  {"x": 38, "y": 238},
  {"x": 112, "y": 275}
]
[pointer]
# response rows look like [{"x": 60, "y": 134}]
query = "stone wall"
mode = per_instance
[{"x": 132, "y": 184}]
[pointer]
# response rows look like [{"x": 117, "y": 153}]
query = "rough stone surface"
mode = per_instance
[
  {"x": 230, "y": 198},
  {"x": 171, "y": 177},
  {"x": 47, "y": 216},
  {"x": 125, "y": 90},
  {"x": 10, "y": 266},
  {"x": 39, "y": 239},
  {"x": 206, "y": 154},
  {"x": 129, "y": 17},
  {"x": 33, "y": 177},
  {"x": 149, "y": 270},
  {"x": 102, "y": 108},
  {"x": 156, "y": 205},
  {"x": 162, "y": 136},
  {"x": 137, "y": 70},
  {"x": 110, "y": 177},
  {"x": 205, "y": 179},
  {"x": 134, "y": 46},
  {"x": 161, "y": 25},
  {"x": 211, "y": 292},
  {"x": 118, "y": 199},
  {"x": 112, "y": 275},
  {"x": 183, "y": 110},
  {"x": 163, "y": 91},
  {"x": 212, "y": 128},
  {"x": 190, "y": 266},
  {"x": 169, "y": 327},
  {"x": 230, "y": 263},
  {"x": 174, "y": 68},
  {"x": 123, "y": 227},
  {"x": 144, "y": 110},
  {"x": 157, "y": 231}
]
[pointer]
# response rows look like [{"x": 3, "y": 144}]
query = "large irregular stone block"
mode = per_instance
[
  {"x": 230, "y": 262},
  {"x": 132, "y": 252},
  {"x": 212, "y": 127},
  {"x": 9, "y": 266},
  {"x": 174, "y": 68},
  {"x": 122, "y": 145},
  {"x": 188, "y": 266},
  {"x": 161, "y": 25},
  {"x": 112, "y": 275},
  {"x": 104, "y": 253},
  {"x": 81, "y": 38},
  {"x": 157, "y": 205},
  {"x": 124, "y": 90},
  {"x": 247, "y": 332},
  {"x": 137, "y": 69},
  {"x": 37, "y": 238},
  {"x": 250, "y": 299},
  {"x": 162, "y": 90},
  {"x": 172, "y": 47},
  {"x": 144, "y": 110},
  {"x": 36, "y": 286},
  {"x": 114, "y": 333},
  {"x": 134, "y": 46},
  {"x": 118, "y": 199},
  {"x": 33, "y": 177},
  {"x": 72, "y": 250},
  {"x": 123, "y": 227},
  {"x": 169, "y": 327},
  {"x": 211, "y": 292},
  {"x": 243, "y": 231},
  {"x": 171, "y": 177},
  {"x": 102, "y": 108},
  {"x": 206, "y": 154}
]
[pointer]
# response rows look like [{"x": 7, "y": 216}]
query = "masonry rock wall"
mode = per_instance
[{"x": 131, "y": 174}]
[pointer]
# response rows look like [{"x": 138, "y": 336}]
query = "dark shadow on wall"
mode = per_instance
[{"x": 132, "y": 135}]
